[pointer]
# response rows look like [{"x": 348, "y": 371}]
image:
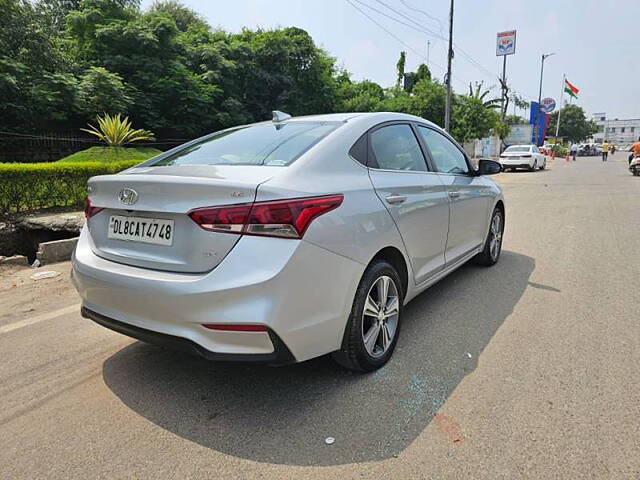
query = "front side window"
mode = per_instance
[
  {"x": 446, "y": 156},
  {"x": 395, "y": 147},
  {"x": 262, "y": 144}
]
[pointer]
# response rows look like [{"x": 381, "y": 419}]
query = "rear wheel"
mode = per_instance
[
  {"x": 374, "y": 323},
  {"x": 534, "y": 167},
  {"x": 544, "y": 165},
  {"x": 493, "y": 244}
]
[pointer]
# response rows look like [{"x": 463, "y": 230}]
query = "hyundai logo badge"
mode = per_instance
[{"x": 128, "y": 196}]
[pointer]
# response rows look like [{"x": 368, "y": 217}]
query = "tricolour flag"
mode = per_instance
[{"x": 571, "y": 89}]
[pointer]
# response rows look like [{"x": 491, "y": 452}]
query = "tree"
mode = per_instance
[
  {"x": 400, "y": 68},
  {"x": 428, "y": 100},
  {"x": 101, "y": 91},
  {"x": 482, "y": 95},
  {"x": 574, "y": 125},
  {"x": 471, "y": 118}
]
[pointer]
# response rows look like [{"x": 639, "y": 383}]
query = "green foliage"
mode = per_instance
[
  {"x": 502, "y": 129},
  {"x": 29, "y": 186},
  {"x": 471, "y": 118},
  {"x": 100, "y": 91},
  {"x": 574, "y": 125},
  {"x": 559, "y": 149},
  {"x": 116, "y": 131},
  {"x": 482, "y": 95},
  {"x": 515, "y": 120},
  {"x": 62, "y": 62},
  {"x": 111, "y": 154},
  {"x": 400, "y": 68}
]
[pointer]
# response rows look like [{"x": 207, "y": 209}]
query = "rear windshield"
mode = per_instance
[
  {"x": 518, "y": 149},
  {"x": 262, "y": 144}
]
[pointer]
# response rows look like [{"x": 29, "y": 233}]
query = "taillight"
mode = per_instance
[
  {"x": 89, "y": 209},
  {"x": 280, "y": 218},
  {"x": 526, "y": 156}
]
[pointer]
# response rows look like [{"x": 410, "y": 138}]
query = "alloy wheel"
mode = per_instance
[
  {"x": 380, "y": 316},
  {"x": 495, "y": 239}
]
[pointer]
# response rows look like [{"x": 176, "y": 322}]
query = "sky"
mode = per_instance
[{"x": 596, "y": 43}]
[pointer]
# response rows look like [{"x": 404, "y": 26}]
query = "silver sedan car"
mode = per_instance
[{"x": 286, "y": 240}]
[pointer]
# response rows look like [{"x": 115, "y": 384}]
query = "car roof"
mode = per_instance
[
  {"x": 349, "y": 116},
  {"x": 522, "y": 145}
]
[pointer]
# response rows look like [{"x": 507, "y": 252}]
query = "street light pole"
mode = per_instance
[
  {"x": 447, "y": 109},
  {"x": 544, "y": 57}
]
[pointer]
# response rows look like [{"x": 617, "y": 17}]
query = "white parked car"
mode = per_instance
[
  {"x": 523, "y": 156},
  {"x": 285, "y": 240}
]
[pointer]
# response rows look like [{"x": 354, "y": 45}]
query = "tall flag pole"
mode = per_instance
[{"x": 564, "y": 78}]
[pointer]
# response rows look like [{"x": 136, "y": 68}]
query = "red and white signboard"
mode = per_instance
[{"x": 506, "y": 43}]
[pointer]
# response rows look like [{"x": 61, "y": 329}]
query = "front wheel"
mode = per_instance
[
  {"x": 374, "y": 323},
  {"x": 490, "y": 254}
]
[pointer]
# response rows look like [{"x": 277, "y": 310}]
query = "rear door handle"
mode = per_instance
[
  {"x": 454, "y": 194},
  {"x": 395, "y": 199}
]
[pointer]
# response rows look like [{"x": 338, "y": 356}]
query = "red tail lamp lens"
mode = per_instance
[
  {"x": 89, "y": 209},
  {"x": 280, "y": 218}
]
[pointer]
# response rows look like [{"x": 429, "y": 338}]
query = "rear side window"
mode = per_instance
[
  {"x": 395, "y": 147},
  {"x": 359, "y": 150},
  {"x": 263, "y": 144}
]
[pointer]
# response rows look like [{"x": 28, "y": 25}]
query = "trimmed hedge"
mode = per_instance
[{"x": 29, "y": 186}]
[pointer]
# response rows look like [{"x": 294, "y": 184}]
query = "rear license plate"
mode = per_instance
[
  {"x": 513, "y": 158},
  {"x": 140, "y": 229}
]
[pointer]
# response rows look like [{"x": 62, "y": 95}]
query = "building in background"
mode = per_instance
[{"x": 618, "y": 131}]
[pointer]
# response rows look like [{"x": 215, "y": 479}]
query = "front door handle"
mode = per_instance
[
  {"x": 454, "y": 194},
  {"x": 395, "y": 199}
]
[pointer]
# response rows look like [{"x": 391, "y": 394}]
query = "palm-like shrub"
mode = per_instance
[{"x": 116, "y": 131}]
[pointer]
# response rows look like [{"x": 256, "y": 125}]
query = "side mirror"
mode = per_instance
[{"x": 488, "y": 167}]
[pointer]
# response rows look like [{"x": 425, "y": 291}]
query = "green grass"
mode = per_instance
[{"x": 111, "y": 154}]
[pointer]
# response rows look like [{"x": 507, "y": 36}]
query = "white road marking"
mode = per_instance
[{"x": 39, "y": 318}]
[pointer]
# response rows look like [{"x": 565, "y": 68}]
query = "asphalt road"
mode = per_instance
[{"x": 529, "y": 369}]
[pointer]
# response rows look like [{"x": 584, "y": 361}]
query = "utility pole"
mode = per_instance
[
  {"x": 447, "y": 109},
  {"x": 544, "y": 57},
  {"x": 428, "y": 49}
]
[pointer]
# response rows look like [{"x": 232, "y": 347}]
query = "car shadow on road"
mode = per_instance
[{"x": 283, "y": 415}]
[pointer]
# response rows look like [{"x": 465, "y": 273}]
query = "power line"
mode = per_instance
[
  {"x": 435, "y": 19},
  {"x": 421, "y": 28},
  {"x": 388, "y": 31}
]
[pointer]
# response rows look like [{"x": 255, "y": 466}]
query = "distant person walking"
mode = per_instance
[
  {"x": 604, "y": 148},
  {"x": 613, "y": 149},
  {"x": 574, "y": 151}
]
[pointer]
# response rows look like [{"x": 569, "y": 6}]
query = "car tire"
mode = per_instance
[
  {"x": 534, "y": 167},
  {"x": 360, "y": 351},
  {"x": 544, "y": 165},
  {"x": 490, "y": 253}
]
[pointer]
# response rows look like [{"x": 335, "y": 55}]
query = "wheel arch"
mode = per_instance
[{"x": 396, "y": 259}]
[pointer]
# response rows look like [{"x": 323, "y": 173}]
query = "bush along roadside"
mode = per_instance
[{"x": 29, "y": 186}]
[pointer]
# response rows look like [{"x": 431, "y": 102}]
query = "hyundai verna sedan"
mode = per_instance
[{"x": 286, "y": 240}]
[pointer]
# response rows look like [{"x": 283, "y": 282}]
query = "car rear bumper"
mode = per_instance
[
  {"x": 516, "y": 164},
  {"x": 302, "y": 294},
  {"x": 281, "y": 355}
]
